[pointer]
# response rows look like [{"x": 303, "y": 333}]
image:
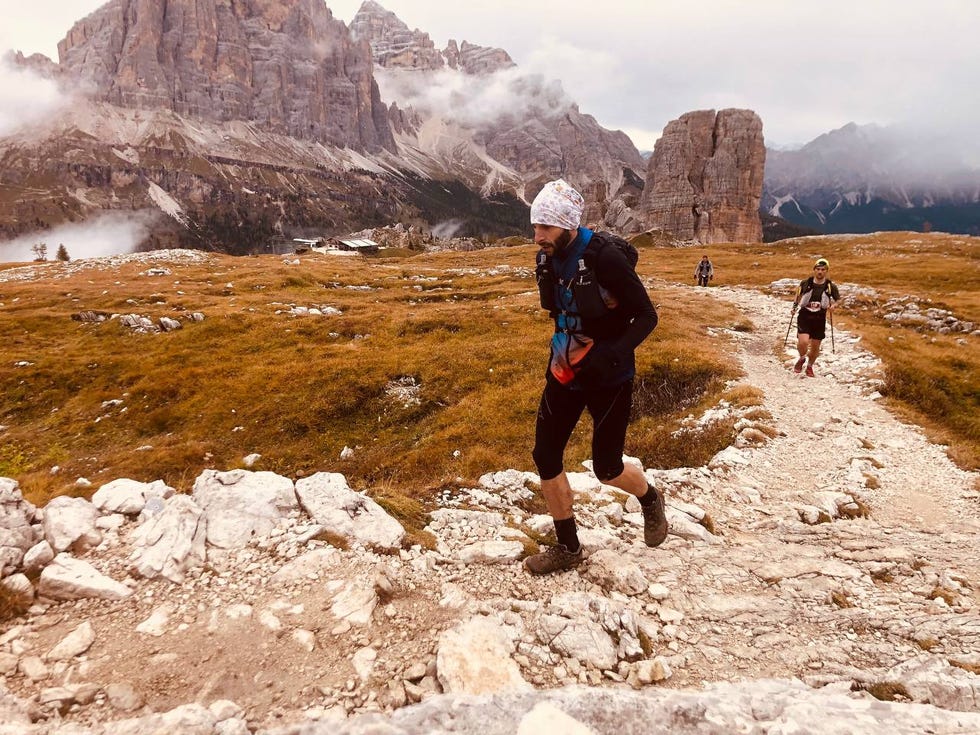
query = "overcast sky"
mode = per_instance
[{"x": 805, "y": 66}]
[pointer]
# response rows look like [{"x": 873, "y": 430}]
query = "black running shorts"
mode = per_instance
[
  {"x": 813, "y": 323},
  {"x": 561, "y": 409}
]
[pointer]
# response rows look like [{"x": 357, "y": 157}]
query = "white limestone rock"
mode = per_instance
[
  {"x": 578, "y": 638},
  {"x": 242, "y": 505},
  {"x": 352, "y": 602},
  {"x": 331, "y": 502},
  {"x": 612, "y": 571},
  {"x": 68, "y": 578},
  {"x": 652, "y": 670},
  {"x": 681, "y": 524},
  {"x": 156, "y": 624},
  {"x": 69, "y": 524},
  {"x": 363, "y": 662},
  {"x": 491, "y": 552},
  {"x": 170, "y": 543},
  {"x": 129, "y": 497},
  {"x": 933, "y": 680},
  {"x": 74, "y": 644},
  {"x": 474, "y": 657},
  {"x": 17, "y": 534}
]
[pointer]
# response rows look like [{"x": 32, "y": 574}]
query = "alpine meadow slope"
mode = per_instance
[{"x": 820, "y": 558}]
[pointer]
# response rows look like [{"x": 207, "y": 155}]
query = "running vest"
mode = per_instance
[
  {"x": 569, "y": 290},
  {"x": 815, "y": 296}
]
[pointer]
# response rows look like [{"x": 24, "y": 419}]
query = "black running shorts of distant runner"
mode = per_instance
[{"x": 813, "y": 323}]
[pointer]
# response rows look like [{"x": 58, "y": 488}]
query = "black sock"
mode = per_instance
[
  {"x": 648, "y": 498},
  {"x": 567, "y": 535}
]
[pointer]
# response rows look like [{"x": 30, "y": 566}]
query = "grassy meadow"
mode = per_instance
[{"x": 102, "y": 402}]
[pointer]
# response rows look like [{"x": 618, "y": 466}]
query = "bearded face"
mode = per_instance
[{"x": 552, "y": 239}]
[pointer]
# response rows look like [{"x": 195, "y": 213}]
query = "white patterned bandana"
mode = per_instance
[{"x": 557, "y": 205}]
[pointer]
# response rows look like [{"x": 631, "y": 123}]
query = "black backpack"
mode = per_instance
[
  {"x": 601, "y": 239},
  {"x": 828, "y": 286},
  {"x": 586, "y": 286}
]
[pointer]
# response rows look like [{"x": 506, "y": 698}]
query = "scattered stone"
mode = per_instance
[{"x": 74, "y": 644}]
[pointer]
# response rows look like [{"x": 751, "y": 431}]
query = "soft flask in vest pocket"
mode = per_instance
[
  {"x": 588, "y": 297},
  {"x": 545, "y": 276}
]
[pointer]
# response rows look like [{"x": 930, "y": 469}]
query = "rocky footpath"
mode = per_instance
[{"x": 820, "y": 576}]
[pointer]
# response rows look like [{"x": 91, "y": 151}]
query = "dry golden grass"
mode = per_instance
[
  {"x": 886, "y": 691},
  {"x": 966, "y": 666},
  {"x": 931, "y": 379},
  {"x": 100, "y": 401},
  {"x": 743, "y": 395},
  {"x": 465, "y": 326}
]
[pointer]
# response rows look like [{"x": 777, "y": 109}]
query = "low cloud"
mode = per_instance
[
  {"x": 473, "y": 100},
  {"x": 447, "y": 229},
  {"x": 111, "y": 233},
  {"x": 26, "y": 97}
]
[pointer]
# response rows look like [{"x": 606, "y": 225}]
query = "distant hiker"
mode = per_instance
[
  {"x": 704, "y": 271},
  {"x": 602, "y": 312},
  {"x": 817, "y": 297}
]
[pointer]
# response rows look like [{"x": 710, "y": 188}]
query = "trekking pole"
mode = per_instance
[
  {"x": 790, "y": 326},
  {"x": 833, "y": 348}
]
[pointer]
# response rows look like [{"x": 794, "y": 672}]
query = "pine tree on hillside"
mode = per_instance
[
  {"x": 62, "y": 254},
  {"x": 40, "y": 251}
]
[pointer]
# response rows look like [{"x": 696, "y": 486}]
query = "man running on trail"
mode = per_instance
[
  {"x": 704, "y": 271},
  {"x": 602, "y": 313},
  {"x": 817, "y": 297}
]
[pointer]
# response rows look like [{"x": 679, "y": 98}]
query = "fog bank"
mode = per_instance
[{"x": 110, "y": 233}]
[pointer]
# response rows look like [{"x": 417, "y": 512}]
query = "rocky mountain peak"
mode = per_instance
[
  {"x": 287, "y": 65},
  {"x": 474, "y": 59},
  {"x": 514, "y": 129},
  {"x": 705, "y": 176},
  {"x": 393, "y": 44}
]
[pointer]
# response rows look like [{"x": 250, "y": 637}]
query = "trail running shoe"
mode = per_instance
[
  {"x": 654, "y": 520},
  {"x": 553, "y": 559},
  {"x": 798, "y": 367},
  {"x": 809, "y": 371}
]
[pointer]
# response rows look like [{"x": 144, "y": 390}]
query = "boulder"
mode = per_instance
[
  {"x": 171, "y": 542},
  {"x": 69, "y": 523},
  {"x": 129, "y": 496},
  {"x": 329, "y": 500},
  {"x": 68, "y": 578},
  {"x": 242, "y": 505},
  {"x": 475, "y": 658}
]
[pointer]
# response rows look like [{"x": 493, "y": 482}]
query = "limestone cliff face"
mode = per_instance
[
  {"x": 286, "y": 65},
  {"x": 704, "y": 179}
]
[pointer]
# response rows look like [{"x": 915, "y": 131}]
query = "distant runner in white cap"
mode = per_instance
[{"x": 602, "y": 312}]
